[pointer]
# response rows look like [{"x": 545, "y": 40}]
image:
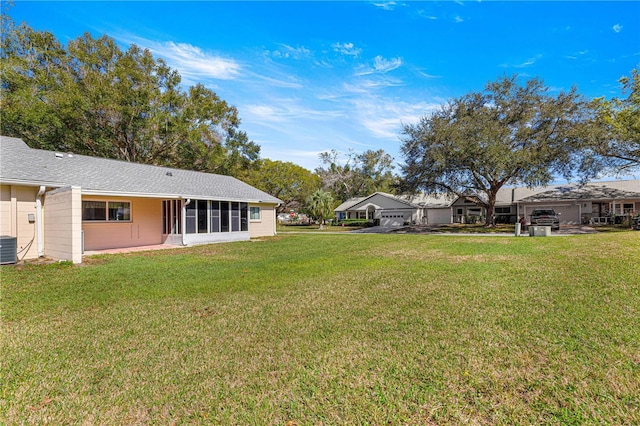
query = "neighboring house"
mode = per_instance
[
  {"x": 58, "y": 205},
  {"x": 388, "y": 209},
  {"x": 436, "y": 208},
  {"x": 596, "y": 202}
]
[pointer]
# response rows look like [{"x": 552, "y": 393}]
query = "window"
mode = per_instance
[
  {"x": 235, "y": 217},
  {"x": 119, "y": 211},
  {"x": 224, "y": 216},
  {"x": 106, "y": 211},
  {"x": 202, "y": 216},
  {"x": 254, "y": 213},
  {"x": 191, "y": 217},
  {"x": 503, "y": 210},
  {"x": 214, "y": 220},
  {"x": 244, "y": 222},
  {"x": 94, "y": 210}
]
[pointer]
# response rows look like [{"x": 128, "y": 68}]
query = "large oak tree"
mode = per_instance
[
  {"x": 92, "y": 98},
  {"x": 508, "y": 134},
  {"x": 287, "y": 181},
  {"x": 617, "y": 145}
]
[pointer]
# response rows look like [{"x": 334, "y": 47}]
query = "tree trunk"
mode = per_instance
[{"x": 489, "y": 221}]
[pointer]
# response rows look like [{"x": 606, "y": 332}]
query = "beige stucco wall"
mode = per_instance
[
  {"x": 63, "y": 219},
  {"x": 266, "y": 226},
  {"x": 144, "y": 229},
  {"x": 16, "y": 203},
  {"x": 5, "y": 210}
]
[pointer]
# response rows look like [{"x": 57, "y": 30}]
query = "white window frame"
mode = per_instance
[
  {"x": 106, "y": 202},
  {"x": 251, "y": 210}
]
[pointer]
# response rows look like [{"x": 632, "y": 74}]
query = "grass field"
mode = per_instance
[{"x": 330, "y": 329}]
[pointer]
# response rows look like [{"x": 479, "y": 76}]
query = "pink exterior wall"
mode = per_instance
[{"x": 145, "y": 227}]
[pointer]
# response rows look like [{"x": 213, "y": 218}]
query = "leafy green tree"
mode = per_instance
[
  {"x": 507, "y": 134},
  {"x": 320, "y": 204},
  {"x": 618, "y": 128},
  {"x": 33, "y": 79},
  {"x": 360, "y": 175},
  {"x": 92, "y": 98},
  {"x": 284, "y": 180}
]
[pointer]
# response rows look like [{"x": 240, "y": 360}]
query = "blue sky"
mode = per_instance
[{"x": 308, "y": 77}]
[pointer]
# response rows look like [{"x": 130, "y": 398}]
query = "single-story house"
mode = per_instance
[
  {"x": 59, "y": 204},
  {"x": 595, "y": 202},
  {"x": 388, "y": 209}
]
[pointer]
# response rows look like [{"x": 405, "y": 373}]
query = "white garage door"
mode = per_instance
[
  {"x": 438, "y": 216},
  {"x": 568, "y": 214},
  {"x": 392, "y": 219}
]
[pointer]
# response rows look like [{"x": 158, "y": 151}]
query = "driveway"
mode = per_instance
[{"x": 565, "y": 229}]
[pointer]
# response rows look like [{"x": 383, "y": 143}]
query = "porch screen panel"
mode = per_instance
[
  {"x": 191, "y": 217},
  {"x": 202, "y": 216},
  {"x": 235, "y": 217},
  {"x": 171, "y": 214},
  {"x": 165, "y": 216},
  {"x": 177, "y": 217},
  {"x": 244, "y": 217},
  {"x": 224, "y": 216},
  {"x": 214, "y": 225}
]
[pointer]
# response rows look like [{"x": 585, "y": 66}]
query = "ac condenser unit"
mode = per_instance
[{"x": 8, "y": 249}]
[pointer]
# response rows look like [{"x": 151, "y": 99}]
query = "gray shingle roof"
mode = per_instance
[
  {"x": 21, "y": 164},
  {"x": 594, "y": 191}
]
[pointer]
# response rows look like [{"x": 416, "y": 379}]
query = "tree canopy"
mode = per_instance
[
  {"x": 507, "y": 134},
  {"x": 360, "y": 175},
  {"x": 92, "y": 98},
  {"x": 287, "y": 181},
  {"x": 618, "y": 128}
]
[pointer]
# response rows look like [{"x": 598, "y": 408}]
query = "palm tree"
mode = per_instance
[{"x": 319, "y": 204}]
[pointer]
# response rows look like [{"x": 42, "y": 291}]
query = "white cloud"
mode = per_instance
[
  {"x": 578, "y": 55},
  {"x": 347, "y": 49},
  {"x": 380, "y": 66},
  {"x": 282, "y": 110},
  {"x": 193, "y": 61},
  {"x": 384, "y": 118},
  {"x": 458, "y": 19},
  {"x": 385, "y": 65},
  {"x": 617, "y": 28},
  {"x": 527, "y": 63},
  {"x": 424, "y": 14},
  {"x": 386, "y": 5},
  {"x": 287, "y": 51}
]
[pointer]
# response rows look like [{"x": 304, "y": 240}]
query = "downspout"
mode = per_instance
[
  {"x": 183, "y": 225},
  {"x": 39, "y": 221},
  {"x": 275, "y": 220}
]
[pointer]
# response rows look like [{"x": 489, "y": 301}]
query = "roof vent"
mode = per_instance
[
  {"x": 59, "y": 155},
  {"x": 169, "y": 174}
]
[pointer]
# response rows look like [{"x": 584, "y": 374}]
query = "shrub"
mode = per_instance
[{"x": 354, "y": 222}]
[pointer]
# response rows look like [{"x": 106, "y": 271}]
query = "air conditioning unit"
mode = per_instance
[{"x": 8, "y": 249}]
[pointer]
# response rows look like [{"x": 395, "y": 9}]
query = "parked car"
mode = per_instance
[{"x": 545, "y": 217}]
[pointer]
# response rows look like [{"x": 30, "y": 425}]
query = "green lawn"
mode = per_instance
[{"x": 325, "y": 329}]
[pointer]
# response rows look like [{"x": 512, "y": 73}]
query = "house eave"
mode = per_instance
[{"x": 103, "y": 193}]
